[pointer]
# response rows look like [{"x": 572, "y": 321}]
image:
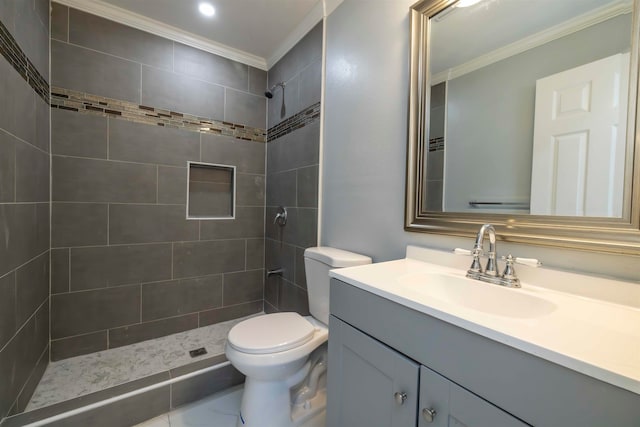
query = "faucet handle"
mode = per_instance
[
  {"x": 460, "y": 251},
  {"x": 509, "y": 271},
  {"x": 531, "y": 262}
]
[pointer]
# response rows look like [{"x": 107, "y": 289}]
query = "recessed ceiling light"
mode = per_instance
[
  {"x": 206, "y": 9},
  {"x": 467, "y": 3}
]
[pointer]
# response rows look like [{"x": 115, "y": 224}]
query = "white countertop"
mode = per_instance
[{"x": 591, "y": 336}]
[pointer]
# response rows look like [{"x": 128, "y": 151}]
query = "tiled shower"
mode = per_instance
[{"x": 96, "y": 252}]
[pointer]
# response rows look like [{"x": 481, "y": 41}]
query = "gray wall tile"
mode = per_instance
[
  {"x": 281, "y": 189},
  {"x": 275, "y": 112},
  {"x": 245, "y": 108},
  {"x": 138, "y": 142},
  {"x": 210, "y": 199},
  {"x": 149, "y": 330},
  {"x": 182, "y": 94},
  {"x": 249, "y": 222},
  {"x": 298, "y": 149},
  {"x": 300, "y": 274},
  {"x": 210, "y": 67},
  {"x": 34, "y": 379},
  {"x": 244, "y": 286},
  {"x": 82, "y": 312},
  {"x": 201, "y": 386},
  {"x": 301, "y": 229},
  {"x": 120, "y": 40},
  {"x": 248, "y": 157},
  {"x": 172, "y": 185},
  {"x": 42, "y": 138},
  {"x": 98, "y": 267},
  {"x": 250, "y": 190},
  {"x": 24, "y": 233},
  {"x": 7, "y": 167},
  {"x": 32, "y": 287},
  {"x": 59, "y": 22},
  {"x": 202, "y": 258},
  {"x": 7, "y": 308},
  {"x": 255, "y": 254},
  {"x": 280, "y": 255},
  {"x": 18, "y": 106},
  {"x": 310, "y": 84},
  {"x": 87, "y": 180},
  {"x": 218, "y": 315},
  {"x": 59, "y": 270},
  {"x": 32, "y": 34},
  {"x": 302, "y": 54},
  {"x": 178, "y": 297},
  {"x": 78, "y": 345},
  {"x": 77, "y": 68},
  {"x": 149, "y": 223},
  {"x": 271, "y": 290},
  {"x": 78, "y": 224},
  {"x": 20, "y": 356},
  {"x": 32, "y": 174},
  {"x": 307, "y": 187},
  {"x": 257, "y": 81},
  {"x": 80, "y": 135},
  {"x": 293, "y": 298}
]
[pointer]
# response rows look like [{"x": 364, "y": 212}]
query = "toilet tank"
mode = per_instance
[{"x": 317, "y": 262}]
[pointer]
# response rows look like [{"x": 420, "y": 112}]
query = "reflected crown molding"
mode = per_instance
[{"x": 543, "y": 37}]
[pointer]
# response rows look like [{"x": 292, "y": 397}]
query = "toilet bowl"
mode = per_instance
[{"x": 284, "y": 386}]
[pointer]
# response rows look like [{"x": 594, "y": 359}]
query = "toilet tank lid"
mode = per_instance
[{"x": 336, "y": 257}]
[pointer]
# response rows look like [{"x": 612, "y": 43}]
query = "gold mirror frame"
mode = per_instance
[{"x": 609, "y": 235}]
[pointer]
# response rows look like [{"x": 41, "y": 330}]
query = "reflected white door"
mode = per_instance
[{"x": 579, "y": 140}]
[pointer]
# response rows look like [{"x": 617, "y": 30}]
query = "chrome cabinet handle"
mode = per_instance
[
  {"x": 429, "y": 414},
  {"x": 400, "y": 397}
]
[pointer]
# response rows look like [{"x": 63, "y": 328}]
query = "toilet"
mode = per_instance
[{"x": 282, "y": 354}]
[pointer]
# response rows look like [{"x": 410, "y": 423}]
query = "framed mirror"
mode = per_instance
[{"x": 523, "y": 114}]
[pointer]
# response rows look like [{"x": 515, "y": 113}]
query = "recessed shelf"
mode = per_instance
[{"x": 211, "y": 190}]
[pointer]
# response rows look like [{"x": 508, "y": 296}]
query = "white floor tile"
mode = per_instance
[
  {"x": 220, "y": 410},
  {"x": 161, "y": 421}
]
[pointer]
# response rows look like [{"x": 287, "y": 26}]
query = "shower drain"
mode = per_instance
[{"x": 198, "y": 352}]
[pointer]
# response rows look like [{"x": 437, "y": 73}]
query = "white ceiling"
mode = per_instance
[{"x": 256, "y": 27}]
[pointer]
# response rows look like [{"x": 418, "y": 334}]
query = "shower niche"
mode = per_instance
[{"x": 211, "y": 191}]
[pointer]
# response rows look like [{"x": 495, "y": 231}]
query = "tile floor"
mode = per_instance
[
  {"x": 218, "y": 410},
  {"x": 77, "y": 376}
]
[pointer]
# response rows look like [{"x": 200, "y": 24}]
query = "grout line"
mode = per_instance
[
  {"x": 108, "y": 224},
  {"x": 68, "y": 24},
  {"x": 69, "y": 279},
  {"x": 24, "y": 324},
  {"x": 108, "y": 138},
  {"x": 140, "y": 303},
  {"x": 172, "y": 250},
  {"x": 140, "y": 83},
  {"x": 25, "y": 141},
  {"x": 157, "y": 183}
]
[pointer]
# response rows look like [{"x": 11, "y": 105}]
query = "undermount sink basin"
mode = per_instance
[{"x": 475, "y": 295}]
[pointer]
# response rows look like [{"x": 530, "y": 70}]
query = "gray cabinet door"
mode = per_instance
[
  {"x": 363, "y": 378},
  {"x": 457, "y": 407}
]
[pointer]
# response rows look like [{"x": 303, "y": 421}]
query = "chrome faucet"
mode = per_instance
[{"x": 490, "y": 274}]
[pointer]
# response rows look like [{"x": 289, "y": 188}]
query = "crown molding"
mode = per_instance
[
  {"x": 140, "y": 22},
  {"x": 313, "y": 17},
  {"x": 569, "y": 27}
]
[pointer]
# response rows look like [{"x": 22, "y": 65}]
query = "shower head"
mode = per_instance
[{"x": 269, "y": 93}]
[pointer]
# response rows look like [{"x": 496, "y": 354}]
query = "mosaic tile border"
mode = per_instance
[
  {"x": 436, "y": 144},
  {"x": 297, "y": 121},
  {"x": 67, "y": 99},
  {"x": 11, "y": 51}
]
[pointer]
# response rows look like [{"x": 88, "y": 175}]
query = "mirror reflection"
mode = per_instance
[{"x": 528, "y": 108}]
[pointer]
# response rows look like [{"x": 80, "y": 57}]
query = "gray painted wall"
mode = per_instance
[
  {"x": 365, "y": 138},
  {"x": 24, "y": 210},
  {"x": 477, "y": 141},
  {"x": 292, "y": 175},
  {"x": 126, "y": 264}
]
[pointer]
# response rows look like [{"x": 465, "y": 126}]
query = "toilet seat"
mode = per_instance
[{"x": 271, "y": 333}]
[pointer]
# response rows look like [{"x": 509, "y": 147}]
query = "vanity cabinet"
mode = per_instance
[
  {"x": 378, "y": 348},
  {"x": 372, "y": 385}
]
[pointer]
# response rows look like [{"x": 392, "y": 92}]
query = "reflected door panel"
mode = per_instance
[{"x": 579, "y": 140}]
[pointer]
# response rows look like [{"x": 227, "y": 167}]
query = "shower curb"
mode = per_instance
[{"x": 136, "y": 401}]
